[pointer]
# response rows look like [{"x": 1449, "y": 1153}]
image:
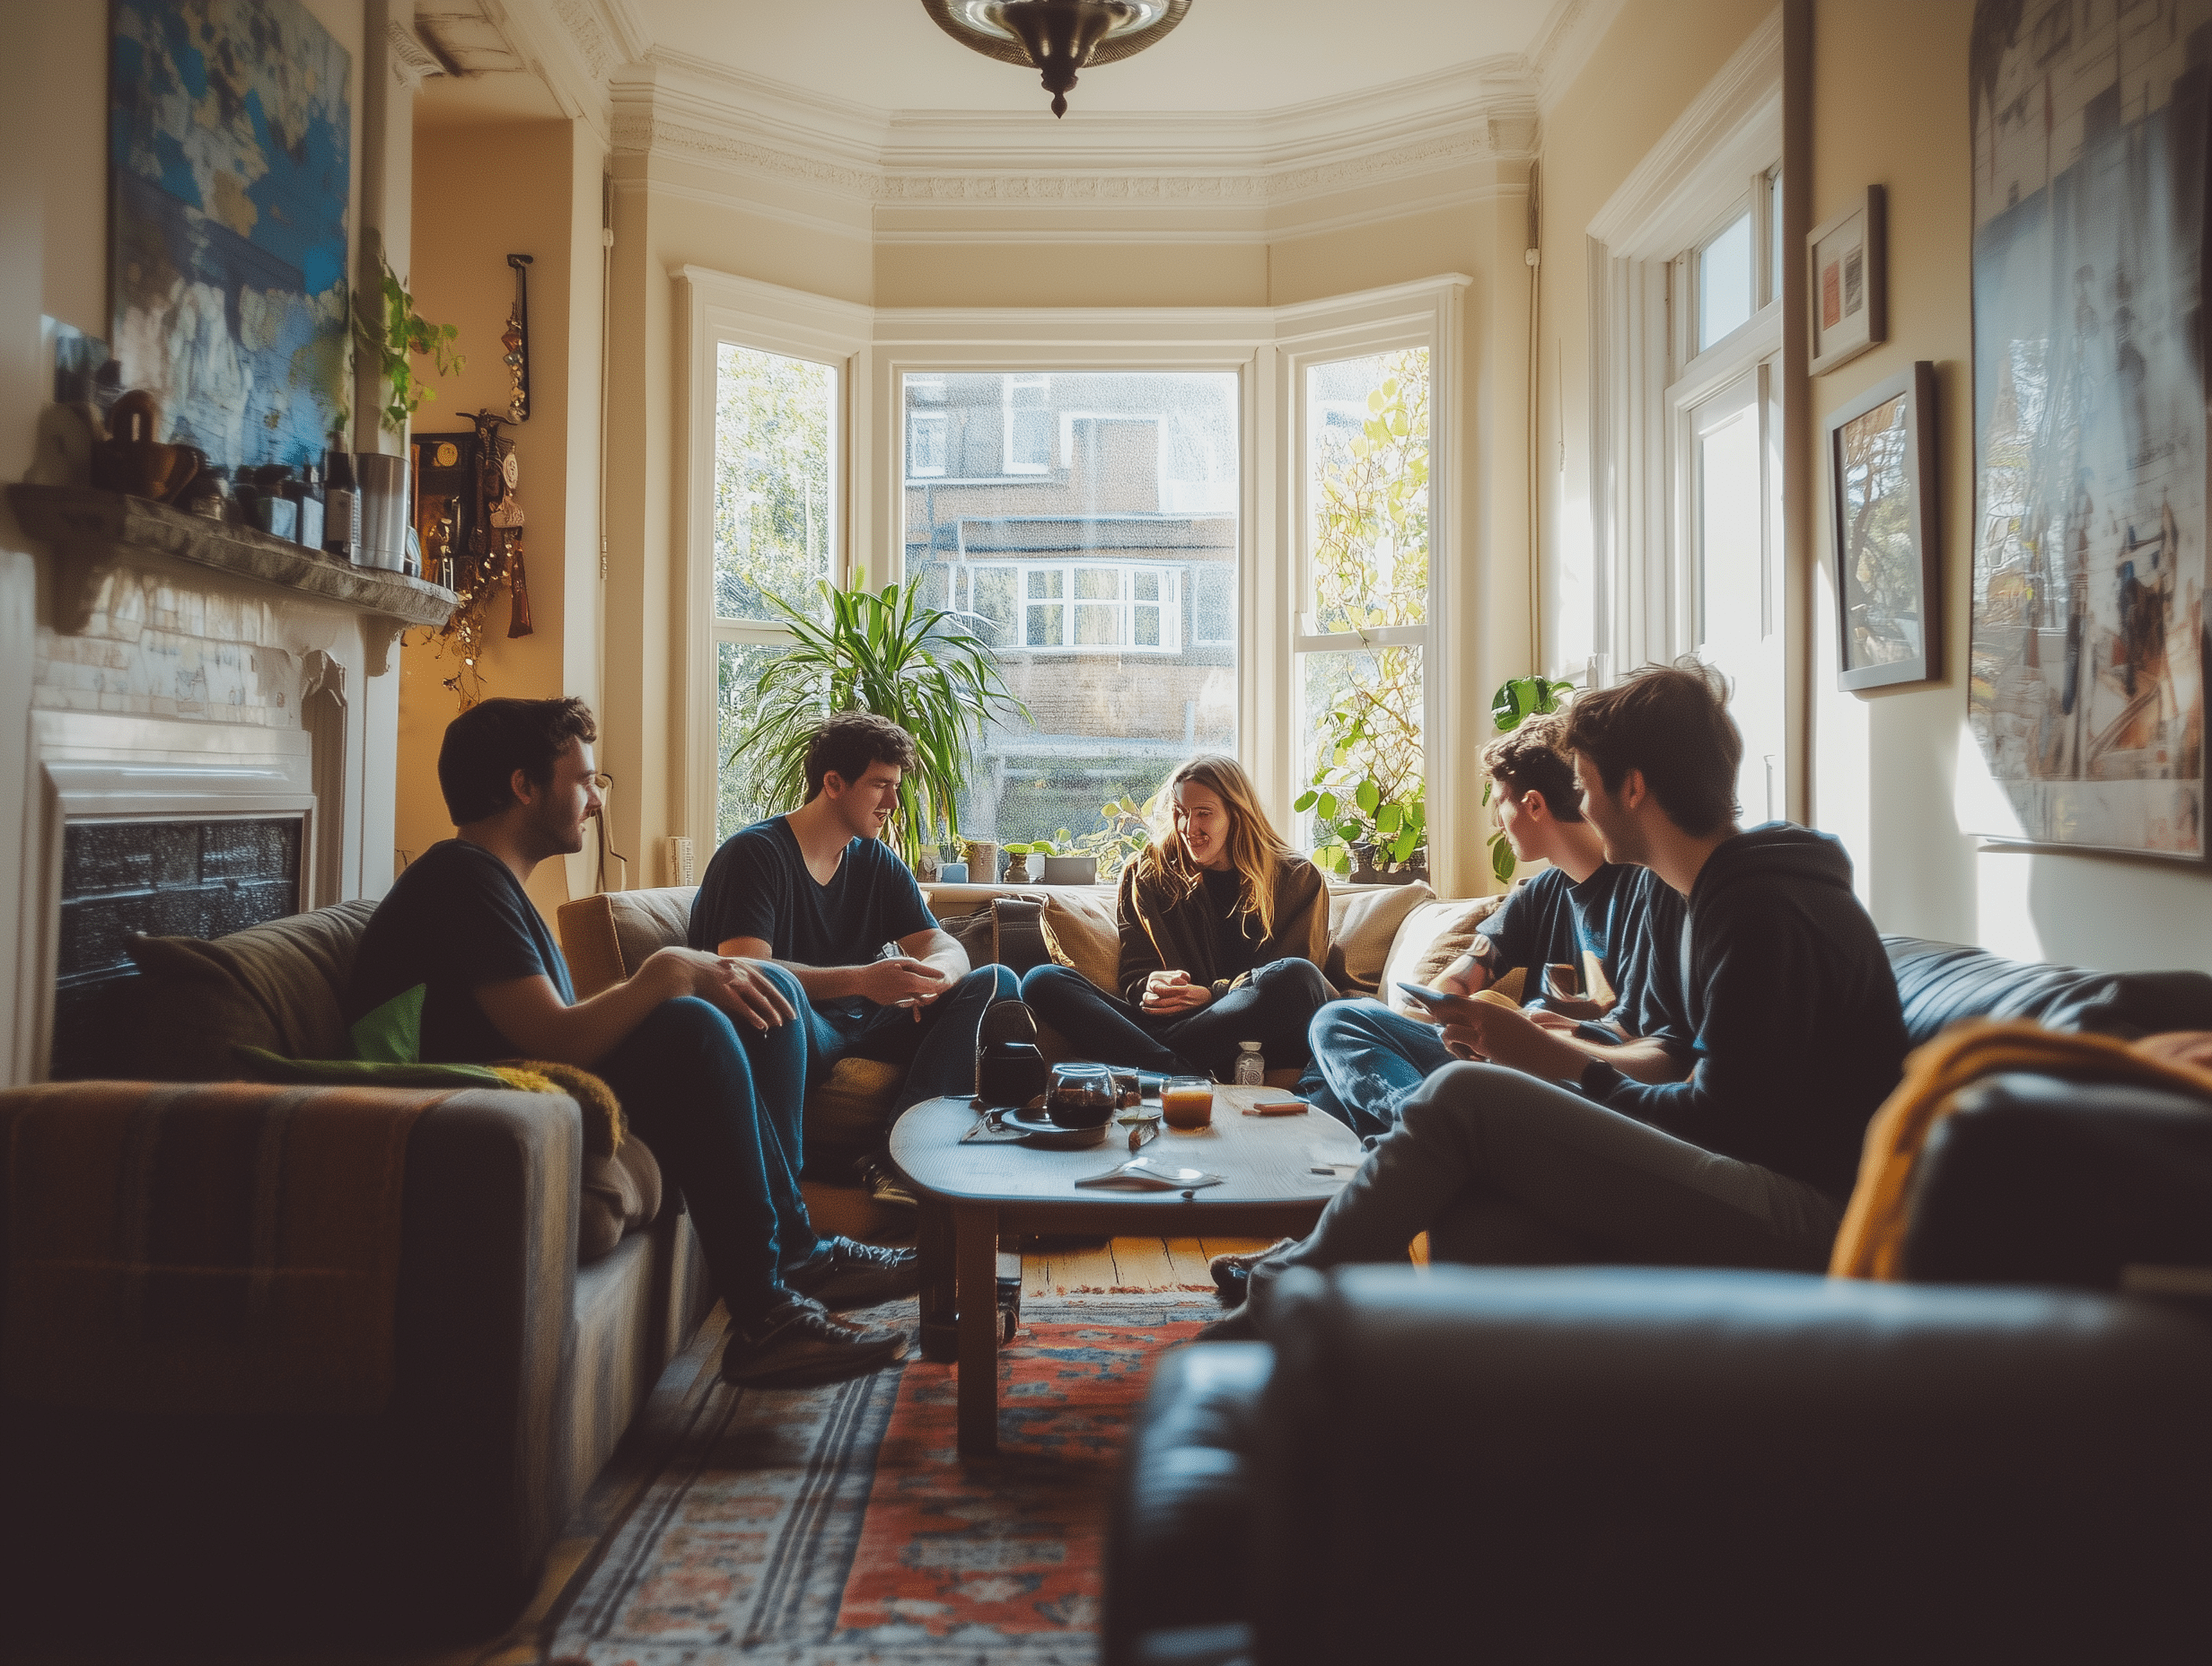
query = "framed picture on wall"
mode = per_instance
[
  {"x": 1883, "y": 526},
  {"x": 1847, "y": 265}
]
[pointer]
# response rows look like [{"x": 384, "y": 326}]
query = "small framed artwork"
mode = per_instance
[
  {"x": 1847, "y": 263},
  {"x": 1881, "y": 520}
]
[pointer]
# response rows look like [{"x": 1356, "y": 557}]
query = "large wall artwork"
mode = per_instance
[
  {"x": 230, "y": 138},
  {"x": 2087, "y": 689}
]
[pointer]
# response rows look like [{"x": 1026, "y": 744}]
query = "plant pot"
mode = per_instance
[
  {"x": 1365, "y": 871},
  {"x": 1017, "y": 868},
  {"x": 1071, "y": 870}
]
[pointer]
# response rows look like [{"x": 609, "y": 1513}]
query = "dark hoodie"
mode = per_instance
[{"x": 1799, "y": 1033}]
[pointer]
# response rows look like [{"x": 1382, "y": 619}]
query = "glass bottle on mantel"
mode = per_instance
[{"x": 1251, "y": 1070}]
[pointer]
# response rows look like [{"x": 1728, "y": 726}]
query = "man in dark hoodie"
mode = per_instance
[{"x": 1546, "y": 1154}]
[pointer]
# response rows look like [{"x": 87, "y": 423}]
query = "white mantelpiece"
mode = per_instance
[{"x": 186, "y": 670}]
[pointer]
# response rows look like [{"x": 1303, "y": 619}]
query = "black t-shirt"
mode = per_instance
[
  {"x": 1627, "y": 916},
  {"x": 1234, "y": 951},
  {"x": 758, "y": 886},
  {"x": 455, "y": 920}
]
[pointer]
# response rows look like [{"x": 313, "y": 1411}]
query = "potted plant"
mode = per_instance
[
  {"x": 881, "y": 651},
  {"x": 1517, "y": 699},
  {"x": 1368, "y": 800}
]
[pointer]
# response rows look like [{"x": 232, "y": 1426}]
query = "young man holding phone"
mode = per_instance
[
  {"x": 1544, "y": 1153},
  {"x": 1369, "y": 1059}
]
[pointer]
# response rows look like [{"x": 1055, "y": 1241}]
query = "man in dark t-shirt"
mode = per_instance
[
  {"x": 819, "y": 894},
  {"x": 1369, "y": 1058},
  {"x": 702, "y": 1050}
]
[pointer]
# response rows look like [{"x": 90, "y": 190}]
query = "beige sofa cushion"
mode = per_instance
[
  {"x": 607, "y": 937},
  {"x": 1080, "y": 931},
  {"x": 1431, "y": 938},
  {"x": 1362, "y": 923}
]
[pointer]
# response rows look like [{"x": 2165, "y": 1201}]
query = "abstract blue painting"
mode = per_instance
[{"x": 230, "y": 140}]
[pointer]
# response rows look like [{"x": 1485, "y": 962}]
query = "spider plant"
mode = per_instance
[{"x": 881, "y": 652}]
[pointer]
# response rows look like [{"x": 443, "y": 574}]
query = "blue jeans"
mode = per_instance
[
  {"x": 1368, "y": 1061},
  {"x": 1273, "y": 1008},
  {"x": 718, "y": 1104},
  {"x": 938, "y": 1048}
]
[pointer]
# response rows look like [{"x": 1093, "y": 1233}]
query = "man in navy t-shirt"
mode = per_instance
[
  {"x": 1369, "y": 1059},
  {"x": 818, "y": 892},
  {"x": 701, "y": 1049}
]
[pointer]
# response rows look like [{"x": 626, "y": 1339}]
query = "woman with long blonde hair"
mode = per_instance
[{"x": 1224, "y": 932}]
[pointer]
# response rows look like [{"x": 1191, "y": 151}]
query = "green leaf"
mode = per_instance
[
  {"x": 1367, "y": 795},
  {"x": 1402, "y": 846},
  {"x": 1389, "y": 818},
  {"x": 1351, "y": 831},
  {"x": 1304, "y": 801},
  {"x": 1327, "y": 806}
]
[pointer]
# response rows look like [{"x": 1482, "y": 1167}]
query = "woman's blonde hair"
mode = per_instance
[{"x": 1256, "y": 851}]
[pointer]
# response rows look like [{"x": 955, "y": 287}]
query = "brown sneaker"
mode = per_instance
[
  {"x": 796, "y": 1344},
  {"x": 1233, "y": 1274}
]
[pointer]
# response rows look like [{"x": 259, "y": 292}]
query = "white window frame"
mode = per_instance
[
  {"x": 714, "y": 308},
  {"x": 1009, "y": 410},
  {"x": 1264, "y": 347},
  {"x": 1647, "y": 373}
]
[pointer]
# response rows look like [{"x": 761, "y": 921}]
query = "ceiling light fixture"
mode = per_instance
[{"x": 1057, "y": 37}]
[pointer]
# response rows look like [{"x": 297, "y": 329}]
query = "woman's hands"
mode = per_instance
[
  {"x": 1169, "y": 993},
  {"x": 737, "y": 986}
]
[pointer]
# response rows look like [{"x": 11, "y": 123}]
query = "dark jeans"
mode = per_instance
[
  {"x": 938, "y": 1050},
  {"x": 718, "y": 1104},
  {"x": 1502, "y": 1169},
  {"x": 1273, "y": 1008}
]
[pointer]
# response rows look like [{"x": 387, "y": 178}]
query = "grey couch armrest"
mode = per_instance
[{"x": 1610, "y": 1464}]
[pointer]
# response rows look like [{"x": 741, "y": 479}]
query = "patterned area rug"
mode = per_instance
[{"x": 824, "y": 1527}]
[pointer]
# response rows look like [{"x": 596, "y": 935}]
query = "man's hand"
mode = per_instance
[
  {"x": 1505, "y": 1035},
  {"x": 1167, "y": 993},
  {"x": 737, "y": 986},
  {"x": 2179, "y": 1046},
  {"x": 901, "y": 980}
]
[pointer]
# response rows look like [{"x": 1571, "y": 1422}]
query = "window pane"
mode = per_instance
[
  {"x": 772, "y": 501},
  {"x": 1368, "y": 490},
  {"x": 1365, "y": 704},
  {"x": 1734, "y": 628},
  {"x": 1137, "y": 480},
  {"x": 743, "y": 798},
  {"x": 1725, "y": 282}
]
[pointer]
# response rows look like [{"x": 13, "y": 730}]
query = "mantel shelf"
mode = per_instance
[{"x": 91, "y": 531}]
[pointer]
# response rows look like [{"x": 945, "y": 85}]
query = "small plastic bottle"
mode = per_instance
[{"x": 1251, "y": 1070}]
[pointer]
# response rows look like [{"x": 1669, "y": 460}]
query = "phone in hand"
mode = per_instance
[{"x": 1429, "y": 998}]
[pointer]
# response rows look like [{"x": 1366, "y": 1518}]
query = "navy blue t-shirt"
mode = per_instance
[
  {"x": 758, "y": 886},
  {"x": 454, "y": 920},
  {"x": 1627, "y": 916}
]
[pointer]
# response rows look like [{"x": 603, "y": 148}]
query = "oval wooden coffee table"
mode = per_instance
[{"x": 970, "y": 1194}]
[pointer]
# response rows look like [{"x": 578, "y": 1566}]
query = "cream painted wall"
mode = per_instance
[
  {"x": 1885, "y": 760},
  {"x": 1658, "y": 56},
  {"x": 481, "y": 193}
]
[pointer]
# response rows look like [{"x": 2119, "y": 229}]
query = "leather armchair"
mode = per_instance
[{"x": 2011, "y": 1461}]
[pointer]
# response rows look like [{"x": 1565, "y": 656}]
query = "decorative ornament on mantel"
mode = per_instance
[{"x": 1057, "y": 37}]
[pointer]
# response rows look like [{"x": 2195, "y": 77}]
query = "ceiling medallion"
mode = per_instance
[{"x": 1057, "y": 37}]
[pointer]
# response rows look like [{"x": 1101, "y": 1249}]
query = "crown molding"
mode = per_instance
[
  {"x": 1565, "y": 41},
  {"x": 940, "y": 176}
]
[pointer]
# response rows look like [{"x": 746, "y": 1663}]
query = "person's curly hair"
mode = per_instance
[
  {"x": 848, "y": 742},
  {"x": 1530, "y": 760}
]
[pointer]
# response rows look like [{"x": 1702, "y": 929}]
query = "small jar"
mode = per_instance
[{"x": 1251, "y": 1070}]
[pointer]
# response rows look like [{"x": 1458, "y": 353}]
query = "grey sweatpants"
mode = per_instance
[{"x": 1498, "y": 1167}]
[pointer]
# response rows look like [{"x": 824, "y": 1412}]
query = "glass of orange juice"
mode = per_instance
[{"x": 1188, "y": 1103}]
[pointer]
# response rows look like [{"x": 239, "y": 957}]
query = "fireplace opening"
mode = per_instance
[{"x": 170, "y": 877}]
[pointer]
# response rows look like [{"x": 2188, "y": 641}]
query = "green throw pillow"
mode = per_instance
[{"x": 393, "y": 1034}]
